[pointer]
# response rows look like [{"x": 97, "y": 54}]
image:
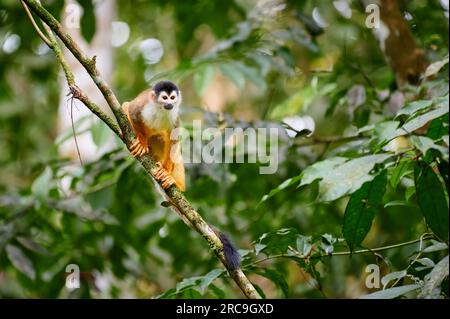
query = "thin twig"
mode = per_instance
[
  {"x": 425, "y": 236},
  {"x": 35, "y": 26}
]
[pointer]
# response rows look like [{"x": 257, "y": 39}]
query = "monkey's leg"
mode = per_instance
[
  {"x": 163, "y": 176},
  {"x": 177, "y": 165}
]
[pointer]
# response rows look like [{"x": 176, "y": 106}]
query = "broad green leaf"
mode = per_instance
[
  {"x": 432, "y": 200},
  {"x": 220, "y": 294},
  {"x": 277, "y": 278},
  {"x": 423, "y": 144},
  {"x": 436, "y": 246},
  {"x": 391, "y": 293},
  {"x": 444, "y": 171},
  {"x": 361, "y": 210},
  {"x": 433, "y": 281},
  {"x": 304, "y": 245},
  {"x": 339, "y": 177},
  {"x": 419, "y": 121},
  {"x": 438, "y": 128},
  {"x": 392, "y": 276},
  {"x": 188, "y": 283},
  {"x": 413, "y": 107},
  {"x": 32, "y": 245},
  {"x": 385, "y": 131},
  {"x": 403, "y": 167},
  {"x": 100, "y": 133},
  {"x": 209, "y": 278},
  {"x": 426, "y": 263},
  {"x": 20, "y": 261},
  {"x": 87, "y": 21},
  {"x": 435, "y": 67},
  {"x": 233, "y": 73},
  {"x": 278, "y": 241},
  {"x": 203, "y": 78},
  {"x": 320, "y": 170},
  {"x": 409, "y": 192},
  {"x": 253, "y": 75},
  {"x": 259, "y": 248},
  {"x": 43, "y": 184},
  {"x": 191, "y": 293},
  {"x": 284, "y": 185}
]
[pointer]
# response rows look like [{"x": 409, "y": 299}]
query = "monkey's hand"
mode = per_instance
[
  {"x": 139, "y": 147},
  {"x": 164, "y": 177}
]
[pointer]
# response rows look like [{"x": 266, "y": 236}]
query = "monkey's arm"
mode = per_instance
[{"x": 133, "y": 111}]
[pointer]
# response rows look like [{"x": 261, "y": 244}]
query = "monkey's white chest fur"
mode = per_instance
[{"x": 159, "y": 118}]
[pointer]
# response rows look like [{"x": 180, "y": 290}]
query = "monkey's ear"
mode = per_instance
[{"x": 153, "y": 96}]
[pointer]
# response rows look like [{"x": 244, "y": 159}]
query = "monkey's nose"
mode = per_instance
[{"x": 168, "y": 106}]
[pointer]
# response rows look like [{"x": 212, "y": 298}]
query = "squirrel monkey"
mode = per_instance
[{"x": 153, "y": 115}]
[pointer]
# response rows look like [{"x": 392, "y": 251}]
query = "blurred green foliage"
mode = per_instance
[{"x": 373, "y": 173}]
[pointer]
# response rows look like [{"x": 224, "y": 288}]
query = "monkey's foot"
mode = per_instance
[
  {"x": 138, "y": 148},
  {"x": 163, "y": 176}
]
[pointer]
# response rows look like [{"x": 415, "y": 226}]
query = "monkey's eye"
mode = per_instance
[
  {"x": 172, "y": 97},
  {"x": 164, "y": 97}
]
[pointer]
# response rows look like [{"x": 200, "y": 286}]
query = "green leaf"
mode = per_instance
[
  {"x": 220, "y": 294},
  {"x": 277, "y": 278},
  {"x": 403, "y": 168},
  {"x": 284, "y": 185},
  {"x": 409, "y": 192},
  {"x": 278, "y": 241},
  {"x": 233, "y": 73},
  {"x": 435, "y": 67},
  {"x": 433, "y": 280},
  {"x": 304, "y": 245},
  {"x": 436, "y": 246},
  {"x": 438, "y": 128},
  {"x": 20, "y": 261},
  {"x": 423, "y": 144},
  {"x": 391, "y": 293},
  {"x": 100, "y": 133},
  {"x": 432, "y": 200},
  {"x": 32, "y": 245},
  {"x": 253, "y": 75},
  {"x": 339, "y": 177},
  {"x": 203, "y": 78},
  {"x": 444, "y": 171},
  {"x": 42, "y": 185},
  {"x": 392, "y": 276},
  {"x": 209, "y": 278},
  {"x": 320, "y": 170},
  {"x": 188, "y": 283},
  {"x": 419, "y": 121},
  {"x": 327, "y": 242},
  {"x": 385, "y": 131},
  {"x": 413, "y": 107},
  {"x": 361, "y": 210},
  {"x": 87, "y": 22}
]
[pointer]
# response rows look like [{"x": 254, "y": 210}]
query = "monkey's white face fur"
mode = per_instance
[
  {"x": 157, "y": 115},
  {"x": 164, "y": 98}
]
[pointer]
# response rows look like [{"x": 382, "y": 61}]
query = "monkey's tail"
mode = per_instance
[{"x": 232, "y": 256}]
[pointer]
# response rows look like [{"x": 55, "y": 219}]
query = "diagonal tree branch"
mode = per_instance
[{"x": 125, "y": 132}]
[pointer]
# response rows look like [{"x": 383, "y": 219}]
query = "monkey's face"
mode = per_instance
[{"x": 167, "y": 95}]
